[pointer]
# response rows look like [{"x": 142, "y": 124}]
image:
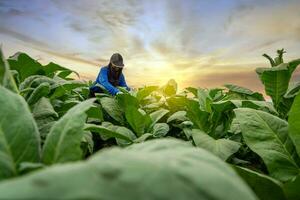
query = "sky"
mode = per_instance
[{"x": 199, "y": 43}]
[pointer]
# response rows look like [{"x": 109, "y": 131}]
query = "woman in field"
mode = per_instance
[{"x": 110, "y": 77}]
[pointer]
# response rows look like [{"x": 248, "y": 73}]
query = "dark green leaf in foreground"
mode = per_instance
[
  {"x": 267, "y": 135},
  {"x": 19, "y": 136},
  {"x": 294, "y": 123},
  {"x": 6, "y": 78},
  {"x": 63, "y": 142},
  {"x": 223, "y": 148},
  {"x": 140, "y": 171},
  {"x": 264, "y": 186}
]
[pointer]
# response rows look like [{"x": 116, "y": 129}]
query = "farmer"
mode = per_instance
[{"x": 110, "y": 77}]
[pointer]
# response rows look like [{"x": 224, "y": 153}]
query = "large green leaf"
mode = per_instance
[
  {"x": 27, "y": 83},
  {"x": 41, "y": 91},
  {"x": 95, "y": 113},
  {"x": 136, "y": 120},
  {"x": 126, "y": 99},
  {"x": 204, "y": 99},
  {"x": 111, "y": 106},
  {"x": 106, "y": 132},
  {"x": 44, "y": 115},
  {"x": 223, "y": 148},
  {"x": 267, "y": 135},
  {"x": 294, "y": 123},
  {"x": 61, "y": 87},
  {"x": 25, "y": 65},
  {"x": 160, "y": 130},
  {"x": 260, "y": 105},
  {"x": 127, "y": 133},
  {"x": 63, "y": 142},
  {"x": 248, "y": 94},
  {"x": 178, "y": 116},
  {"x": 264, "y": 186},
  {"x": 144, "y": 92},
  {"x": 43, "y": 109},
  {"x": 228, "y": 105},
  {"x": 19, "y": 136},
  {"x": 176, "y": 103},
  {"x": 138, "y": 172},
  {"x": 199, "y": 118},
  {"x": 53, "y": 68},
  {"x": 157, "y": 115},
  {"x": 276, "y": 81},
  {"x": 6, "y": 78}
]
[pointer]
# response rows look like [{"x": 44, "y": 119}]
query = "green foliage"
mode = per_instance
[
  {"x": 63, "y": 141},
  {"x": 276, "y": 81},
  {"x": 19, "y": 136},
  {"x": 25, "y": 65},
  {"x": 136, "y": 120},
  {"x": 170, "y": 88},
  {"x": 294, "y": 123},
  {"x": 243, "y": 93},
  {"x": 44, "y": 110},
  {"x": 112, "y": 108},
  {"x": 190, "y": 173},
  {"x": 292, "y": 188},
  {"x": 223, "y": 148},
  {"x": 40, "y": 91},
  {"x": 6, "y": 78},
  {"x": 264, "y": 187},
  {"x": 267, "y": 135}
]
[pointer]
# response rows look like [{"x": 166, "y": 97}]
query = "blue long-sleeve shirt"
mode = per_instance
[{"x": 102, "y": 79}]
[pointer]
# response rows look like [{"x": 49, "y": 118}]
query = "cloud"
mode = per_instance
[
  {"x": 265, "y": 21},
  {"x": 23, "y": 37},
  {"x": 43, "y": 47},
  {"x": 99, "y": 14}
]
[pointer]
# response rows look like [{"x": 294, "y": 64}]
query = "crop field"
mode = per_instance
[{"x": 153, "y": 142}]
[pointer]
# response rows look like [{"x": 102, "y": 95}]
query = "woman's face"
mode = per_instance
[{"x": 116, "y": 68}]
